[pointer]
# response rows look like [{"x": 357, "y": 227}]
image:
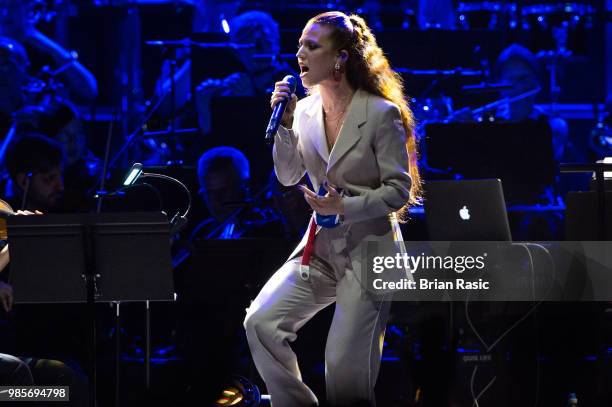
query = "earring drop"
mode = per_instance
[{"x": 337, "y": 66}]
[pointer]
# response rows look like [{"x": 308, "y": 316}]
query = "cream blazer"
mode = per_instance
[{"x": 369, "y": 163}]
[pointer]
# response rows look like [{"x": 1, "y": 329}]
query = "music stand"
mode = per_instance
[
  {"x": 598, "y": 169},
  {"x": 89, "y": 258}
]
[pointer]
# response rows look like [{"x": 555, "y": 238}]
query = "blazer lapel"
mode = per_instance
[
  {"x": 315, "y": 129},
  {"x": 350, "y": 132}
]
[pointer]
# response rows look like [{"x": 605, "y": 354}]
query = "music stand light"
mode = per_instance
[
  {"x": 178, "y": 221},
  {"x": 133, "y": 175}
]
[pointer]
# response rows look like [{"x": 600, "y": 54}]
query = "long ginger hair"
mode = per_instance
[{"x": 368, "y": 68}]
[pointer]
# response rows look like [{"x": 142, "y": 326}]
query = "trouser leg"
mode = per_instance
[
  {"x": 14, "y": 371},
  {"x": 354, "y": 345},
  {"x": 282, "y": 307}
]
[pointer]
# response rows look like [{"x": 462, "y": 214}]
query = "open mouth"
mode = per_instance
[{"x": 303, "y": 70}]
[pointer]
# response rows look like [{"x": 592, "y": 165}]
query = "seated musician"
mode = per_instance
[
  {"x": 17, "y": 23},
  {"x": 260, "y": 29},
  {"x": 35, "y": 166},
  {"x": 54, "y": 117},
  {"x": 27, "y": 370},
  {"x": 518, "y": 67},
  {"x": 260, "y": 74},
  {"x": 224, "y": 176},
  {"x": 14, "y": 63}
]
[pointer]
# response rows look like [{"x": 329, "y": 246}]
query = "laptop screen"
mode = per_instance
[{"x": 466, "y": 210}]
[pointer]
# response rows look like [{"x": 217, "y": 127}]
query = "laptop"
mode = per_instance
[{"x": 466, "y": 210}]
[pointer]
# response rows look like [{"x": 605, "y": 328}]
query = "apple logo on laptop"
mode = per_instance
[{"x": 464, "y": 213}]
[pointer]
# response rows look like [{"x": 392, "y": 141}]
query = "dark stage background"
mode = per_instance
[{"x": 115, "y": 82}]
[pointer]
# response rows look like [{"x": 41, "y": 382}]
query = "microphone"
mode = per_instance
[{"x": 278, "y": 111}]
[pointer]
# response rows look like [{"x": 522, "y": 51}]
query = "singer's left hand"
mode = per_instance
[{"x": 330, "y": 204}]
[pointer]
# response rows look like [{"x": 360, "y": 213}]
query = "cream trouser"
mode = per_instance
[{"x": 354, "y": 341}]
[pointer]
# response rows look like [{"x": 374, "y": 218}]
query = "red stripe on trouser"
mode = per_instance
[{"x": 305, "y": 265}]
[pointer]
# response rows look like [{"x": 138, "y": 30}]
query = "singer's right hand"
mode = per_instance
[{"x": 282, "y": 92}]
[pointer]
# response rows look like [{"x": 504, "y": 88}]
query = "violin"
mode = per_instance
[{"x": 5, "y": 211}]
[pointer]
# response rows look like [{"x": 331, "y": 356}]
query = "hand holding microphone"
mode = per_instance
[{"x": 283, "y": 102}]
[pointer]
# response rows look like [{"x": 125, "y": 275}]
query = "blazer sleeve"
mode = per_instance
[
  {"x": 389, "y": 146},
  {"x": 286, "y": 153}
]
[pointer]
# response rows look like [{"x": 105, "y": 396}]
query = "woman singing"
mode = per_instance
[{"x": 354, "y": 137}]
